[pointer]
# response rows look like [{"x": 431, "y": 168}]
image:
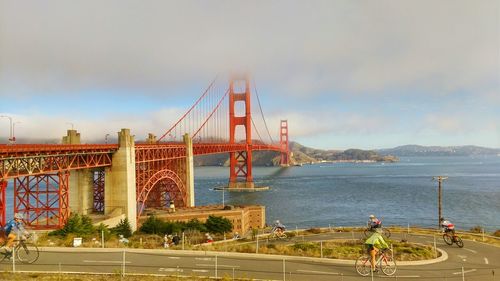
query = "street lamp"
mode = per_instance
[
  {"x": 106, "y": 138},
  {"x": 72, "y": 125},
  {"x": 10, "y": 132},
  {"x": 13, "y": 131}
]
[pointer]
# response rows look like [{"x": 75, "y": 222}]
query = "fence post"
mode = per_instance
[
  {"x": 483, "y": 234},
  {"x": 183, "y": 238},
  {"x": 257, "y": 245},
  {"x": 329, "y": 227},
  {"x": 321, "y": 248},
  {"x": 102, "y": 238},
  {"x": 296, "y": 231},
  {"x": 352, "y": 233},
  {"x": 463, "y": 274},
  {"x": 435, "y": 247},
  {"x": 123, "y": 264},
  {"x": 284, "y": 270},
  {"x": 233, "y": 273},
  {"x": 408, "y": 228},
  {"x": 216, "y": 275},
  {"x": 14, "y": 259}
]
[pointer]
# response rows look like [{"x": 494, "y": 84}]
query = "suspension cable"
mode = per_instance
[{"x": 261, "y": 111}]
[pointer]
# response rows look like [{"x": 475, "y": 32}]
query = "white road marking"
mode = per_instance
[
  {"x": 203, "y": 259},
  {"x": 170, "y": 269},
  {"x": 486, "y": 261},
  {"x": 174, "y": 258},
  {"x": 319, "y": 272},
  {"x": 472, "y": 251},
  {"x": 401, "y": 276},
  {"x": 467, "y": 271},
  {"x": 200, "y": 270},
  {"x": 219, "y": 265},
  {"x": 89, "y": 261}
]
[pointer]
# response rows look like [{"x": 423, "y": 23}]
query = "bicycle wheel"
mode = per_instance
[
  {"x": 363, "y": 266},
  {"x": 27, "y": 252},
  {"x": 3, "y": 254},
  {"x": 459, "y": 242},
  {"x": 386, "y": 232},
  {"x": 447, "y": 239},
  {"x": 388, "y": 265}
]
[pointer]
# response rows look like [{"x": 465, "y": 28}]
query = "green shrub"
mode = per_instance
[
  {"x": 76, "y": 224},
  {"x": 123, "y": 228},
  {"x": 153, "y": 225},
  {"x": 497, "y": 233},
  {"x": 218, "y": 225},
  {"x": 314, "y": 230}
]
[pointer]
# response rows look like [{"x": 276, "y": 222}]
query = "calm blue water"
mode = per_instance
[{"x": 347, "y": 193}]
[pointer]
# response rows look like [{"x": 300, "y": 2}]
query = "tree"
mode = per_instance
[
  {"x": 123, "y": 228},
  {"x": 76, "y": 224},
  {"x": 216, "y": 224}
]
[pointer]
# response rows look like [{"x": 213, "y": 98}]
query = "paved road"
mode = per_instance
[{"x": 477, "y": 259}]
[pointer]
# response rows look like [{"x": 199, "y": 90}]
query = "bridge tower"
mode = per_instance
[
  {"x": 285, "y": 156},
  {"x": 240, "y": 173}
]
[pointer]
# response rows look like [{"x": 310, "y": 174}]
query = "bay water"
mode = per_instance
[{"x": 344, "y": 194}]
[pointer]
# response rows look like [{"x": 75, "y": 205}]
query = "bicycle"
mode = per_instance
[
  {"x": 25, "y": 252},
  {"x": 275, "y": 234},
  {"x": 369, "y": 231},
  {"x": 450, "y": 239},
  {"x": 385, "y": 262}
]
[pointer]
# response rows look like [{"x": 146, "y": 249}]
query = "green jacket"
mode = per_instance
[{"x": 377, "y": 241}]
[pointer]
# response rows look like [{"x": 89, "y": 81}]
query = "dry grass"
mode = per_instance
[
  {"x": 334, "y": 249},
  {"x": 100, "y": 277}
]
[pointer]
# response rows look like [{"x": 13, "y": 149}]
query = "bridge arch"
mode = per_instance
[{"x": 163, "y": 186}]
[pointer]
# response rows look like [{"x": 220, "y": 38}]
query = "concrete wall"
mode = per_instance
[{"x": 81, "y": 191}]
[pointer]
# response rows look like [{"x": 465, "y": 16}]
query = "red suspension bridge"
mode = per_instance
[{"x": 50, "y": 181}]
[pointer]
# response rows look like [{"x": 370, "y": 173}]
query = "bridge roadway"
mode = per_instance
[{"x": 478, "y": 259}]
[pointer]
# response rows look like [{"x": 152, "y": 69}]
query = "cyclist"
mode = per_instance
[
  {"x": 279, "y": 227},
  {"x": 447, "y": 226},
  {"x": 374, "y": 243},
  {"x": 7, "y": 234},
  {"x": 374, "y": 223}
]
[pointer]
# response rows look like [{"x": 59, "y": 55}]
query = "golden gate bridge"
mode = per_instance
[{"x": 50, "y": 181}]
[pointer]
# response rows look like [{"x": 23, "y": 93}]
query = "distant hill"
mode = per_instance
[
  {"x": 300, "y": 155},
  {"x": 419, "y": 150}
]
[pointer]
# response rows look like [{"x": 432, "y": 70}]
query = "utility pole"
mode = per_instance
[{"x": 440, "y": 180}]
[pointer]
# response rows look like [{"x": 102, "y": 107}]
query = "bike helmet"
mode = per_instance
[
  {"x": 277, "y": 221},
  {"x": 372, "y": 216}
]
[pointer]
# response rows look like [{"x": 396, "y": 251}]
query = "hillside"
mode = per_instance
[
  {"x": 300, "y": 154},
  {"x": 419, "y": 150}
]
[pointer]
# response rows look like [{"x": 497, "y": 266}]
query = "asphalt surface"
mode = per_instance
[{"x": 479, "y": 261}]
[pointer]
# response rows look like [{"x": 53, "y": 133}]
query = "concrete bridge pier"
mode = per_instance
[
  {"x": 120, "y": 182},
  {"x": 189, "y": 171},
  {"x": 80, "y": 182}
]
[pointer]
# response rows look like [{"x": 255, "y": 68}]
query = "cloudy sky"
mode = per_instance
[{"x": 365, "y": 74}]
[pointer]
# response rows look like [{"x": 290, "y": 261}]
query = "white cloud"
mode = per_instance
[{"x": 302, "y": 47}]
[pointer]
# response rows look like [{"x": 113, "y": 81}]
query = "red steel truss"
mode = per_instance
[
  {"x": 3, "y": 202},
  {"x": 43, "y": 199},
  {"x": 99, "y": 176},
  {"x": 23, "y": 160}
]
